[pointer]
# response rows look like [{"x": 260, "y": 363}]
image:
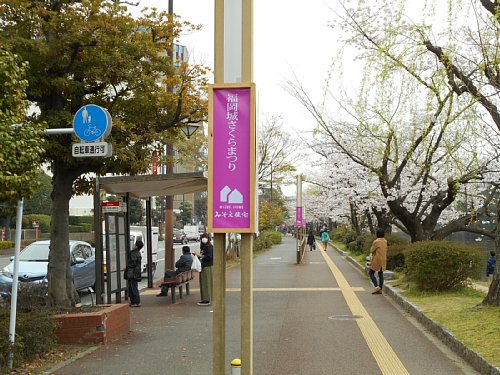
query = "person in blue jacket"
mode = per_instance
[
  {"x": 490, "y": 266},
  {"x": 325, "y": 238}
]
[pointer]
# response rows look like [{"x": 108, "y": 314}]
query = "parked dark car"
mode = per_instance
[
  {"x": 180, "y": 237},
  {"x": 33, "y": 261}
]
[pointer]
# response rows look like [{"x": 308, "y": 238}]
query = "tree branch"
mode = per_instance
[{"x": 468, "y": 85}]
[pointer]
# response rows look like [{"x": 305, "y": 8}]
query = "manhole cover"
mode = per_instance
[{"x": 344, "y": 317}]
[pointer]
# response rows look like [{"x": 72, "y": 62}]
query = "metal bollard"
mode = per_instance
[{"x": 236, "y": 366}]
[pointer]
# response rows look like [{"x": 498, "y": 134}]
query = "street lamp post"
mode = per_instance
[
  {"x": 271, "y": 198},
  {"x": 189, "y": 130}
]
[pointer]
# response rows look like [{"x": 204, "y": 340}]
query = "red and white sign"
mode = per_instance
[{"x": 108, "y": 207}]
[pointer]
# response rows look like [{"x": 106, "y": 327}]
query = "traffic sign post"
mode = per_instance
[
  {"x": 91, "y": 124},
  {"x": 36, "y": 225}
]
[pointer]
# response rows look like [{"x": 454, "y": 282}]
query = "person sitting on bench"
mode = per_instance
[{"x": 183, "y": 264}]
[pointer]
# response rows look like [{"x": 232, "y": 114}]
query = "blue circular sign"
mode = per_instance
[{"x": 92, "y": 123}]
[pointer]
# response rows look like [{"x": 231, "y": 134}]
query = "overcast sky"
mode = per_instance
[{"x": 291, "y": 38}]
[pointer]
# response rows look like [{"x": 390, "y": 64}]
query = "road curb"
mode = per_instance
[{"x": 446, "y": 337}]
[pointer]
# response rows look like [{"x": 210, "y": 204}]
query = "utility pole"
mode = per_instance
[{"x": 169, "y": 169}]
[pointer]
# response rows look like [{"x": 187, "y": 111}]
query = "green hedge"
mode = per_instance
[
  {"x": 343, "y": 234},
  {"x": 43, "y": 220},
  {"x": 396, "y": 257},
  {"x": 442, "y": 265},
  {"x": 6, "y": 244},
  {"x": 82, "y": 220},
  {"x": 75, "y": 228},
  {"x": 86, "y": 227},
  {"x": 266, "y": 240},
  {"x": 35, "y": 335}
]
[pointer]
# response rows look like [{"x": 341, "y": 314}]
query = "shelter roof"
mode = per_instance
[{"x": 155, "y": 185}]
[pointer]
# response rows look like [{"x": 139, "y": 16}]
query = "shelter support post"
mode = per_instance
[
  {"x": 149, "y": 241},
  {"x": 169, "y": 233},
  {"x": 99, "y": 277}
]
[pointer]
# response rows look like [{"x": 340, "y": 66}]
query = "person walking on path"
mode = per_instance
[
  {"x": 134, "y": 274},
  {"x": 311, "y": 241},
  {"x": 378, "y": 253},
  {"x": 325, "y": 238},
  {"x": 207, "y": 261},
  {"x": 490, "y": 266}
]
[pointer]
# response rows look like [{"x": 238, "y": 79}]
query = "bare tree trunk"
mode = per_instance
[
  {"x": 493, "y": 296},
  {"x": 370, "y": 221},
  {"x": 354, "y": 219},
  {"x": 383, "y": 220},
  {"x": 61, "y": 291}
]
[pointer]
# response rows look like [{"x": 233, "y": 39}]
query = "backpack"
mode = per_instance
[{"x": 325, "y": 237}]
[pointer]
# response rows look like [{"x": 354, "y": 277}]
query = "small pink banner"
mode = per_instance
[{"x": 298, "y": 216}]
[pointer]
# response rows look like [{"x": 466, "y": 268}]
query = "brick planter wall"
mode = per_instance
[{"x": 97, "y": 327}]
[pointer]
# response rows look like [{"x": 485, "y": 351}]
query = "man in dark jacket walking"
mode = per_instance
[{"x": 311, "y": 241}]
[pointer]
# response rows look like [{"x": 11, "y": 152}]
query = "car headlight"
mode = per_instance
[{"x": 5, "y": 271}]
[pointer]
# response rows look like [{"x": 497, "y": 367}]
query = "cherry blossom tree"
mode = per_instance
[{"x": 406, "y": 127}]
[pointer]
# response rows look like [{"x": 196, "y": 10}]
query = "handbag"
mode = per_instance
[
  {"x": 196, "y": 265},
  {"x": 128, "y": 274}
]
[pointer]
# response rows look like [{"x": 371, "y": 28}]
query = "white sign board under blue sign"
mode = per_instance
[
  {"x": 92, "y": 123},
  {"x": 89, "y": 150}
]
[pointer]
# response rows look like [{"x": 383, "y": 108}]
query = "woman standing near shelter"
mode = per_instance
[{"x": 207, "y": 261}]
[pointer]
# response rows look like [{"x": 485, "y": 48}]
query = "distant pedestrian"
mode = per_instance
[
  {"x": 134, "y": 274},
  {"x": 378, "y": 253},
  {"x": 207, "y": 261},
  {"x": 490, "y": 266},
  {"x": 325, "y": 238},
  {"x": 311, "y": 241}
]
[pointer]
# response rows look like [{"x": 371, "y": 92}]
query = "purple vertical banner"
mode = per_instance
[
  {"x": 231, "y": 159},
  {"x": 298, "y": 216}
]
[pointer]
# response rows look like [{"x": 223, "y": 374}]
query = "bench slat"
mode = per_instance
[{"x": 177, "y": 282}]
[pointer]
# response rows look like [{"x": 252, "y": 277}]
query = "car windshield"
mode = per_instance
[{"x": 35, "y": 252}]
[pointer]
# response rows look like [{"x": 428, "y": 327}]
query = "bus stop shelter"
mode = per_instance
[{"x": 118, "y": 224}]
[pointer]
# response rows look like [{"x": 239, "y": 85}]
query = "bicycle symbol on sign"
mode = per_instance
[{"x": 87, "y": 119}]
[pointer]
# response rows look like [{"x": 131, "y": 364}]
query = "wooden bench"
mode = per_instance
[{"x": 177, "y": 281}]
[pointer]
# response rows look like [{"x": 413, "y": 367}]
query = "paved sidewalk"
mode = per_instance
[{"x": 312, "y": 319}]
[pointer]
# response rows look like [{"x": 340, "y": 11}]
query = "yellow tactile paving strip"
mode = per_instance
[
  {"x": 354, "y": 289},
  {"x": 384, "y": 355}
]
